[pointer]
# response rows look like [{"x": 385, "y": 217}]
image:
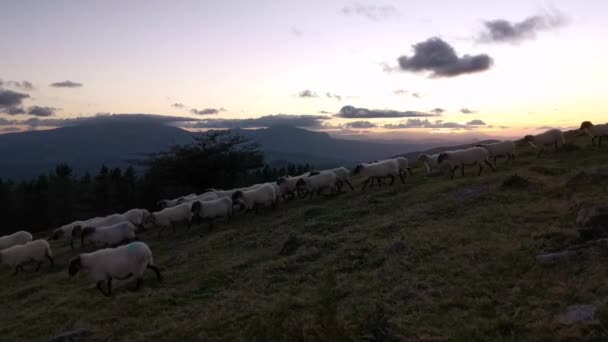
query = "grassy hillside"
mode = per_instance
[{"x": 435, "y": 258}]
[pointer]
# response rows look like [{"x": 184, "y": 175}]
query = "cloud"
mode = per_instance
[
  {"x": 307, "y": 93},
  {"x": 360, "y": 124},
  {"x": 324, "y": 112},
  {"x": 10, "y": 129},
  {"x": 42, "y": 111},
  {"x": 351, "y": 112},
  {"x": 178, "y": 105},
  {"x": 263, "y": 121},
  {"x": 371, "y": 12},
  {"x": 66, "y": 84},
  {"x": 11, "y": 101},
  {"x": 333, "y": 96},
  {"x": 438, "y": 111},
  {"x": 467, "y": 111},
  {"x": 25, "y": 85},
  {"x": 295, "y": 32},
  {"x": 416, "y": 95},
  {"x": 400, "y": 92},
  {"x": 419, "y": 123},
  {"x": 207, "y": 111},
  {"x": 440, "y": 59},
  {"x": 504, "y": 31},
  {"x": 99, "y": 118},
  {"x": 476, "y": 122}
]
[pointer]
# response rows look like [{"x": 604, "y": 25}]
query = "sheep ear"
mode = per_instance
[{"x": 196, "y": 207}]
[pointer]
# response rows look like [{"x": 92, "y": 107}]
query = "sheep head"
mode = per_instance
[{"x": 75, "y": 266}]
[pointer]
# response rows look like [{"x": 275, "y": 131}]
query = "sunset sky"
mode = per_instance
[{"x": 545, "y": 64}]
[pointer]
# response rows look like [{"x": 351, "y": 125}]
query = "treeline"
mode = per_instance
[{"x": 214, "y": 160}]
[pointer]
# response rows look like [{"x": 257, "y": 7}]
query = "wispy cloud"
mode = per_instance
[
  {"x": 42, "y": 111},
  {"x": 476, "y": 122},
  {"x": 438, "y": 110},
  {"x": 504, "y": 31},
  {"x": 360, "y": 125},
  {"x": 24, "y": 85},
  {"x": 351, "y": 112},
  {"x": 178, "y": 105},
  {"x": 371, "y": 12},
  {"x": 11, "y": 102},
  {"x": 440, "y": 59},
  {"x": 66, "y": 84},
  {"x": 307, "y": 93},
  {"x": 207, "y": 111},
  {"x": 295, "y": 32},
  {"x": 419, "y": 123},
  {"x": 467, "y": 111},
  {"x": 310, "y": 121}
]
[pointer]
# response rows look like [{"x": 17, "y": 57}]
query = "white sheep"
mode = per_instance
[
  {"x": 317, "y": 183},
  {"x": 33, "y": 251},
  {"x": 173, "y": 202},
  {"x": 595, "y": 131},
  {"x": 136, "y": 216},
  {"x": 287, "y": 185},
  {"x": 404, "y": 165},
  {"x": 72, "y": 230},
  {"x": 116, "y": 263},
  {"x": 343, "y": 177},
  {"x": 430, "y": 162},
  {"x": 168, "y": 217},
  {"x": 550, "y": 137},
  {"x": 17, "y": 238},
  {"x": 112, "y": 235},
  {"x": 500, "y": 149},
  {"x": 261, "y": 196},
  {"x": 209, "y": 210},
  {"x": 460, "y": 158},
  {"x": 388, "y": 168}
]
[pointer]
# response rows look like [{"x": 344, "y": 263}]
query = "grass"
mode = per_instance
[{"x": 432, "y": 258}]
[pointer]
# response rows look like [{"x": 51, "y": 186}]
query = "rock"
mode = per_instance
[
  {"x": 552, "y": 258},
  {"x": 71, "y": 336},
  {"x": 515, "y": 182},
  {"x": 291, "y": 244},
  {"x": 593, "y": 222},
  {"x": 578, "y": 313}
]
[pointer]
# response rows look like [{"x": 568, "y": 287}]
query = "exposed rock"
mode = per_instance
[
  {"x": 71, "y": 336},
  {"x": 578, "y": 313},
  {"x": 593, "y": 222},
  {"x": 291, "y": 244}
]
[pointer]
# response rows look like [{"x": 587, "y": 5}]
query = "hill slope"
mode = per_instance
[{"x": 434, "y": 257}]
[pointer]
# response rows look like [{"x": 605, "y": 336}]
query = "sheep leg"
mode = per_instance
[
  {"x": 556, "y": 146},
  {"x": 453, "y": 172},
  {"x": 17, "y": 270},
  {"x": 480, "y": 169},
  {"x": 38, "y": 266},
  {"x": 365, "y": 184},
  {"x": 392, "y": 180},
  {"x": 462, "y": 169},
  {"x": 156, "y": 270},
  {"x": 72, "y": 244},
  {"x": 401, "y": 175},
  {"x": 173, "y": 228},
  {"x": 490, "y": 165},
  {"x": 350, "y": 185},
  {"x": 50, "y": 258},
  {"x": 138, "y": 282},
  {"x": 100, "y": 288},
  {"x": 109, "y": 286},
  {"x": 495, "y": 161},
  {"x": 410, "y": 171}
]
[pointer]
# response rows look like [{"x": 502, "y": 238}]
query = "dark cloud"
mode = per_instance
[
  {"x": 25, "y": 85},
  {"x": 333, "y": 96},
  {"x": 351, "y": 112},
  {"x": 438, "y": 111},
  {"x": 11, "y": 101},
  {"x": 264, "y": 121},
  {"x": 419, "y": 123},
  {"x": 66, "y": 84},
  {"x": 99, "y": 118},
  {"x": 178, "y": 105},
  {"x": 440, "y": 59},
  {"x": 467, "y": 111},
  {"x": 307, "y": 93},
  {"x": 416, "y": 95},
  {"x": 476, "y": 122},
  {"x": 324, "y": 112},
  {"x": 371, "y": 12},
  {"x": 41, "y": 111},
  {"x": 206, "y": 111},
  {"x": 360, "y": 125},
  {"x": 10, "y": 129},
  {"x": 504, "y": 31}
]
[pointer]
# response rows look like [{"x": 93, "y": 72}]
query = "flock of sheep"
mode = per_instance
[{"x": 131, "y": 258}]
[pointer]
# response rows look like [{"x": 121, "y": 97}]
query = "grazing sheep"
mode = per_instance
[
  {"x": 595, "y": 131},
  {"x": 209, "y": 210},
  {"x": 72, "y": 230},
  {"x": 18, "y": 238},
  {"x": 137, "y": 216},
  {"x": 469, "y": 156},
  {"x": 430, "y": 162},
  {"x": 162, "y": 204},
  {"x": 385, "y": 168},
  {"x": 33, "y": 251},
  {"x": 315, "y": 184},
  {"x": 404, "y": 165},
  {"x": 116, "y": 263},
  {"x": 550, "y": 137},
  {"x": 287, "y": 185},
  {"x": 500, "y": 149},
  {"x": 262, "y": 196},
  {"x": 343, "y": 177},
  {"x": 112, "y": 235},
  {"x": 168, "y": 217}
]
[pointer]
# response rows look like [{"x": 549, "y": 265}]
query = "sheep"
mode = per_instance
[
  {"x": 168, "y": 217},
  {"x": 287, "y": 185},
  {"x": 162, "y": 204},
  {"x": 378, "y": 170},
  {"x": 17, "y": 238},
  {"x": 595, "y": 131},
  {"x": 262, "y": 196},
  {"x": 550, "y": 137},
  {"x": 221, "y": 207},
  {"x": 32, "y": 251},
  {"x": 136, "y": 216},
  {"x": 460, "y": 158},
  {"x": 500, "y": 149},
  {"x": 404, "y": 165},
  {"x": 99, "y": 222},
  {"x": 343, "y": 177},
  {"x": 315, "y": 184},
  {"x": 71, "y": 231},
  {"x": 112, "y": 235},
  {"x": 120, "y": 263},
  {"x": 430, "y": 162}
]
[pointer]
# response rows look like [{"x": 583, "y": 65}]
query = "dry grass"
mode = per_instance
[{"x": 435, "y": 257}]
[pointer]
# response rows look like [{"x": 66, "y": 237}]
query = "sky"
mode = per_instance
[{"x": 404, "y": 67}]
